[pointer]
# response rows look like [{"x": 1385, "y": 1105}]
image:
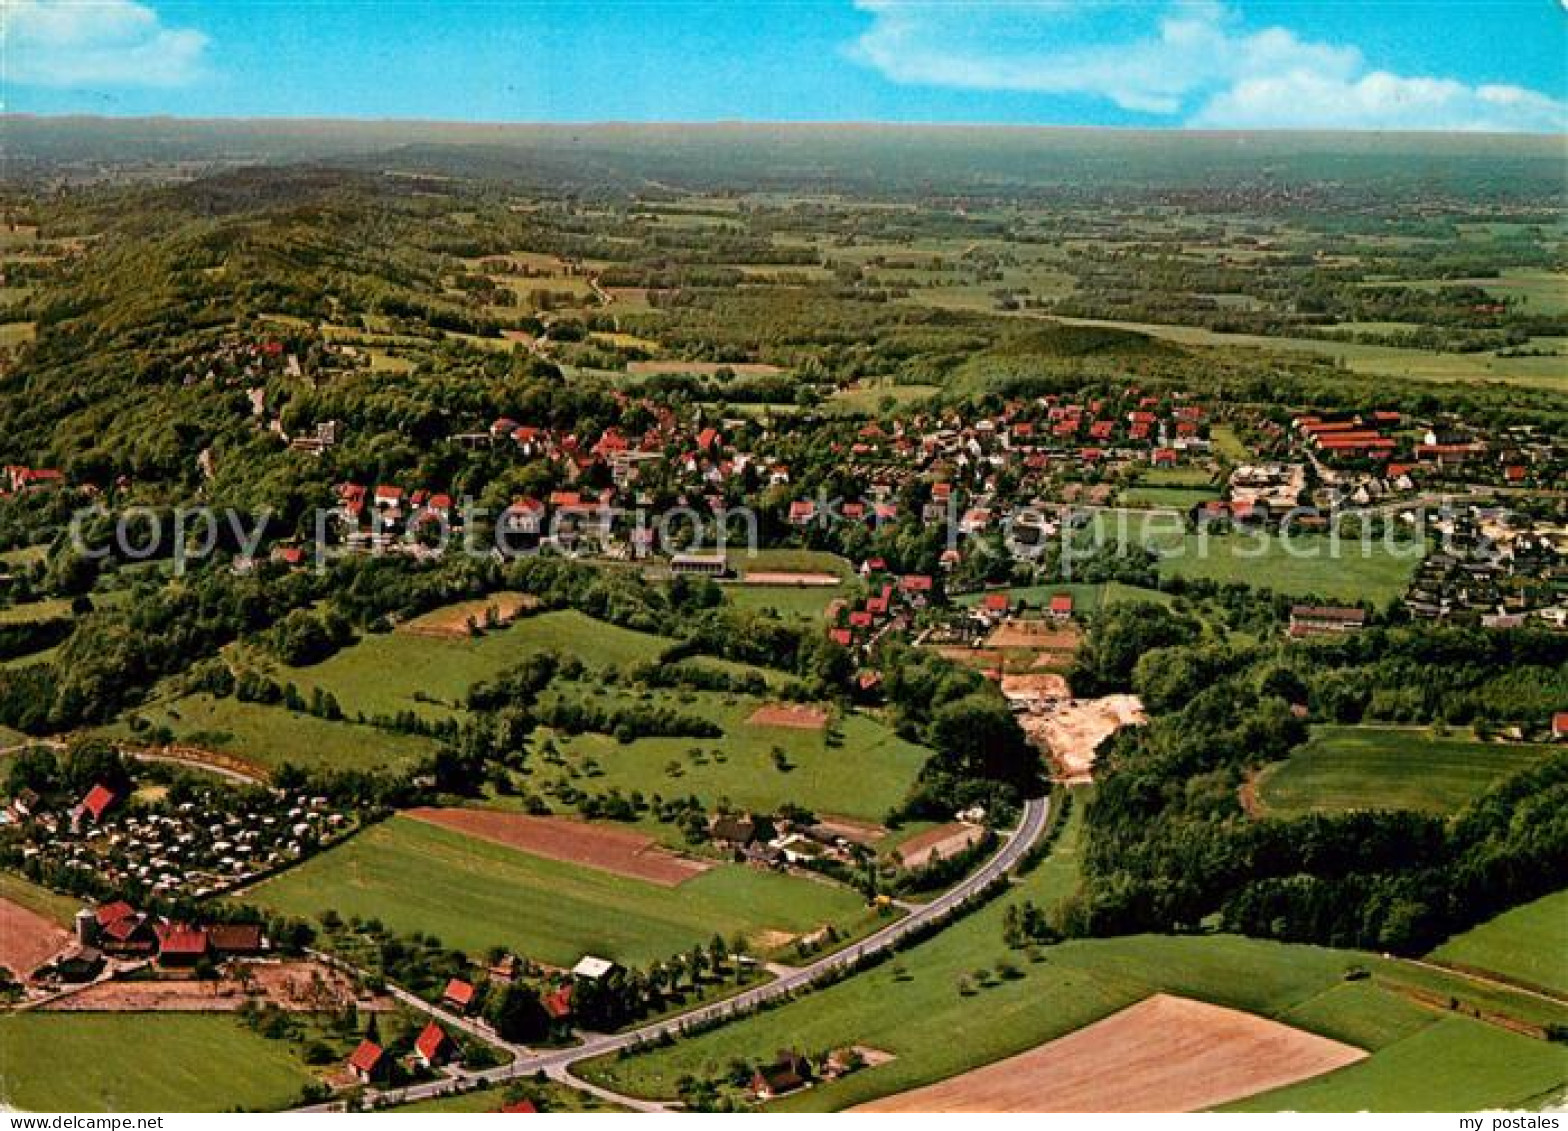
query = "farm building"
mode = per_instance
[
  {"x": 789, "y": 1073},
  {"x": 1321, "y": 620}
]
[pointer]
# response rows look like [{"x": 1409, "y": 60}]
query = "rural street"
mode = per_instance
[{"x": 555, "y": 1063}]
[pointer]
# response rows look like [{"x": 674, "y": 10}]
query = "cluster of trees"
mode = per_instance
[
  {"x": 1170, "y": 845},
  {"x": 981, "y": 755}
]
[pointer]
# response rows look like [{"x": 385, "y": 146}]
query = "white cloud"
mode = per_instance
[
  {"x": 76, "y": 43},
  {"x": 1191, "y": 60},
  {"x": 1379, "y": 100}
]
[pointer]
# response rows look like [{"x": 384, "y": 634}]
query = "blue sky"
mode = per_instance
[{"x": 1477, "y": 64}]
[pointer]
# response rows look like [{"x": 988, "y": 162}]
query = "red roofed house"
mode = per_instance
[
  {"x": 99, "y": 800},
  {"x": 432, "y": 1047},
  {"x": 369, "y": 1063},
  {"x": 459, "y": 995},
  {"x": 1062, "y": 605},
  {"x": 1560, "y": 725},
  {"x": 841, "y": 637},
  {"x": 558, "y": 1003},
  {"x": 995, "y": 603},
  {"x": 180, "y": 944}
]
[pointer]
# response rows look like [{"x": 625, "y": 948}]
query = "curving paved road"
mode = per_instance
[{"x": 556, "y": 1063}]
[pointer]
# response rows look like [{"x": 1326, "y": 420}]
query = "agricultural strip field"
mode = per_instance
[
  {"x": 142, "y": 1062},
  {"x": 1164, "y": 1054},
  {"x": 272, "y": 735},
  {"x": 1342, "y": 768},
  {"x": 1528, "y": 944},
  {"x": 1074, "y": 984},
  {"x": 608, "y": 848},
  {"x": 473, "y": 895}
]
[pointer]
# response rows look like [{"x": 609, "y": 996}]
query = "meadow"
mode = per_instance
[
  {"x": 405, "y": 671},
  {"x": 979, "y": 1001},
  {"x": 1343, "y": 768},
  {"x": 269, "y": 736},
  {"x": 143, "y": 1062},
  {"x": 862, "y": 774},
  {"x": 1303, "y": 567},
  {"x": 1544, "y": 372},
  {"x": 1528, "y": 943},
  {"x": 473, "y": 894}
]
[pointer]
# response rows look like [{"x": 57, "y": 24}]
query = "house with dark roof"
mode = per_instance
[{"x": 788, "y": 1073}]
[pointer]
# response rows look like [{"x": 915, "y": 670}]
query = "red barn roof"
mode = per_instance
[
  {"x": 1062, "y": 603},
  {"x": 114, "y": 912}
]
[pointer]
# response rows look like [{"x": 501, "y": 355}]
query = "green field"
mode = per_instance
[
  {"x": 1079, "y": 982},
  {"x": 789, "y": 561},
  {"x": 143, "y": 1062},
  {"x": 40, "y": 900},
  {"x": 1528, "y": 944},
  {"x": 1179, "y": 498},
  {"x": 33, "y": 611},
  {"x": 1391, "y": 361},
  {"x": 788, "y": 602},
  {"x": 868, "y": 772},
  {"x": 1342, "y": 768},
  {"x": 1087, "y": 598},
  {"x": 1305, "y": 567},
  {"x": 399, "y": 671},
  {"x": 555, "y": 1097},
  {"x": 1453, "y": 1064},
  {"x": 273, "y": 735},
  {"x": 473, "y": 894}
]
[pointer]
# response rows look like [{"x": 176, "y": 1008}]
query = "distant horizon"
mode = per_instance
[{"x": 780, "y": 123}]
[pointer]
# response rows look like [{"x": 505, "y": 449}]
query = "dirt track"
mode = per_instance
[
  {"x": 1165, "y": 1054},
  {"x": 619, "y": 851}
]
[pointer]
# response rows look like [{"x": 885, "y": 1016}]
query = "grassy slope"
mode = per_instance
[
  {"x": 1453, "y": 1064},
  {"x": 473, "y": 895},
  {"x": 1529, "y": 943},
  {"x": 382, "y": 675},
  {"x": 1343, "y": 768},
  {"x": 51, "y": 905},
  {"x": 273, "y": 735},
  {"x": 867, "y": 774},
  {"x": 1079, "y": 982},
  {"x": 1354, "y": 575},
  {"x": 142, "y": 1062}
]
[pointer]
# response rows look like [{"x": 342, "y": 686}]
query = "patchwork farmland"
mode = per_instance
[{"x": 475, "y": 894}]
